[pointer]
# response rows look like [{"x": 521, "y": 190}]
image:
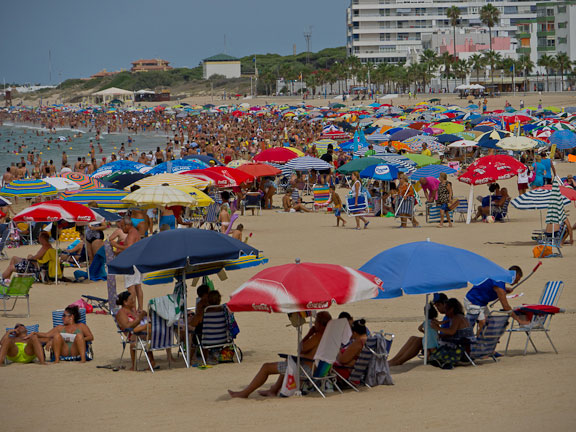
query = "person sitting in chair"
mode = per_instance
[
  {"x": 308, "y": 348},
  {"x": 348, "y": 356},
  {"x": 290, "y": 205},
  {"x": 78, "y": 251},
  {"x": 20, "y": 347},
  {"x": 30, "y": 264}
]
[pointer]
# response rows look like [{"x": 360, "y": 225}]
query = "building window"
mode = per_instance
[
  {"x": 356, "y": 37},
  {"x": 562, "y": 40},
  {"x": 562, "y": 25},
  {"x": 561, "y": 9},
  {"x": 551, "y": 43}
]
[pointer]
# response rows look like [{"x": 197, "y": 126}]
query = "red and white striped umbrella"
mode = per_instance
[
  {"x": 56, "y": 210},
  {"x": 306, "y": 286}
]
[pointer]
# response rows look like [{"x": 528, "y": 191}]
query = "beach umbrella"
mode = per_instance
[
  {"x": 219, "y": 180},
  {"x": 124, "y": 180},
  {"x": 159, "y": 196},
  {"x": 237, "y": 163},
  {"x": 403, "y": 163},
  {"x": 4, "y": 202},
  {"x": 28, "y": 188},
  {"x": 423, "y": 160},
  {"x": 239, "y": 176},
  {"x": 106, "y": 198},
  {"x": 57, "y": 210},
  {"x": 307, "y": 163},
  {"x": 556, "y": 214},
  {"x": 539, "y": 198},
  {"x": 121, "y": 165},
  {"x": 488, "y": 143},
  {"x": 404, "y": 134},
  {"x": 171, "y": 180},
  {"x": 106, "y": 215},
  {"x": 180, "y": 249},
  {"x": 178, "y": 165},
  {"x": 84, "y": 181},
  {"x": 382, "y": 172},
  {"x": 431, "y": 171},
  {"x": 259, "y": 170},
  {"x": 295, "y": 150},
  {"x": 358, "y": 165},
  {"x": 62, "y": 184},
  {"x": 517, "y": 143},
  {"x": 448, "y": 138},
  {"x": 275, "y": 154},
  {"x": 470, "y": 135},
  {"x": 449, "y": 127},
  {"x": 439, "y": 268},
  {"x": 563, "y": 139},
  {"x": 463, "y": 144},
  {"x": 208, "y": 160}
]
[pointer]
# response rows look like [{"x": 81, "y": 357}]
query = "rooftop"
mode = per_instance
[{"x": 221, "y": 57}]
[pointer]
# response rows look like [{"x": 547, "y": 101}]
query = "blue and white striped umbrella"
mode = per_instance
[
  {"x": 121, "y": 165},
  {"x": 178, "y": 165},
  {"x": 556, "y": 213},
  {"x": 307, "y": 163},
  {"x": 564, "y": 139},
  {"x": 536, "y": 199},
  {"x": 431, "y": 171},
  {"x": 377, "y": 136}
]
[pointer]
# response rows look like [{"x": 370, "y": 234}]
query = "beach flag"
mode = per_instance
[{"x": 556, "y": 214}]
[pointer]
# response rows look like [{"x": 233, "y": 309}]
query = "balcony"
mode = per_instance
[
  {"x": 545, "y": 19},
  {"x": 546, "y": 33},
  {"x": 524, "y": 50},
  {"x": 523, "y": 35},
  {"x": 546, "y": 48}
]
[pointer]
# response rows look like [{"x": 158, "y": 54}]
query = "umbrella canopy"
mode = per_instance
[
  {"x": 56, "y": 210},
  {"x": 155, "y": 196},
  {"x": 536, "y": 199},
  {"x": 237, "y": 163},
  {"x": 219, "y": 180},
  {"x": 517, "y": 143},
  {"x": 382, "y": 172},
  {"x": 564, "y": 139},
  {"x": 28, "y": 188},
  {"x": 124, "y": 180},
  {"x": 449, "y": 127},
  {"x": 423, "y": 160},
  {"x": 259, "y": 170},
  {"x": 121, "y": 165},
  {"x": 62, "y": 184},
  {"x": 171, "y": 180},
  {"x": 178, "y": 165},
  {"x": 84, "y": 181},
  {"x": 358, "y": 165},
  {"x": 181, "y": 248},
  {"x": 106, "y": 198},
  {"x": 286, "y": 288},
  {"x": 106, "y": 215},
  {"x": 489, "y": 169},
  {"x": 556, "y": 214},
  {"x": 235, "y": 174},
  {"x": 448, "y": 138},
  {"x": 463, "y": 144},
  {"x": 307, "y": 163},
  {"x": 440, "y": 268},
  {"x": 431, "y": 171},
  {"x": 276, "y": 154},
  {"x": 208, "y": 160},
  {"x": 404, "y": 134}
]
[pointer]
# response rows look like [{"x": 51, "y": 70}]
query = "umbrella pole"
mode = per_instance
[
  {"x": 426, "y": 331},
  {"x": 470, "y": 203},
  {"x": 185, "y": 289},
  {"x": 298, "y": 392}
]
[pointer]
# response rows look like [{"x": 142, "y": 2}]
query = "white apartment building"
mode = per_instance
[{"x": 398, "y": 30}]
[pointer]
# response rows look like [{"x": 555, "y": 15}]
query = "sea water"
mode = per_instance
[{"x": 16, "y": 140}]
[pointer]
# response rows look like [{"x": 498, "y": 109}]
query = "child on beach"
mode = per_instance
[{"x": 337, "y": 203}]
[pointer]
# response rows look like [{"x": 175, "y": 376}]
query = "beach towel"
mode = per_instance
[
  {"x": 167, "y": 308},
  {"x": 378, "y": 371},
  {"x": 98, "y": 266},
  {"x": 337, "y": 333}
]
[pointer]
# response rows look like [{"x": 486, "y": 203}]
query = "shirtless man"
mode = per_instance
[
  {"x": 20, "y": 347},
  {"x": 7, "y": 177},
  {"x": 133, "y": 283}
]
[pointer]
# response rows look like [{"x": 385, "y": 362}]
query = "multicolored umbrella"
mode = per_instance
[
  {"x": 121, "y": 165},
  {"x": 84, "y": 181},
  {"x": 106, "y": 198},
  {"x": 536, "y": 199},
  {"x": 28, "y": 188}
]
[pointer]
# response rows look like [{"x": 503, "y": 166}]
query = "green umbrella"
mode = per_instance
[
  {"x": 422, "y": 160},
  {"x": 466, "y": 135},
  {"x": 359, "y": 165},
  {"x": 449, "y": 127}
]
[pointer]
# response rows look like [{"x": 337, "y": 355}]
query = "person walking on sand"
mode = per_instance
[
  {"x": 337, "y": 206},
  {"x": 356, "y": 192}
]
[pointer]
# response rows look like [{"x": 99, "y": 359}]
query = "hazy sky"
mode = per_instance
[{"x": 86, "y": 36}]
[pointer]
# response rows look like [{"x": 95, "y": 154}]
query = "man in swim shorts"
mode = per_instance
[{"x": 20, "y": 347}]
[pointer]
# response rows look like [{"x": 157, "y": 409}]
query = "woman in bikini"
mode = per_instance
[{"x": 348, "y": 356}]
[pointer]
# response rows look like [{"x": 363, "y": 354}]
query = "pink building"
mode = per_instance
[{"x": 469, "y": 46}]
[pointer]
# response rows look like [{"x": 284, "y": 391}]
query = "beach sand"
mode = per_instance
[{"x": 518, "y": 393}]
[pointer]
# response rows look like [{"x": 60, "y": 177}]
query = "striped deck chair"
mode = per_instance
[
  {"x": 19, "y": 288},
  {"x": 485, "y": 344},
  {"x": 361, "y": 209},
  {"x": 377, "y": 346},
  {"x": 212, "y": 216},
  {"x": 321, "y": 196},
  {"x": 161, "y": 337},
  {"x": 500, "y": 213},
  {"x": 553, "y": 243},
  {"x": 462, "y": 209},
  {"x": 29, "y": 328},
  {"x": 3, "y": 242},
  {"x": 252, "y": 200},
  {"x": 539, "y": 322},
  {"x": 433, "y": 213},
  {"x": 57, "y": 319},
  {"x": 216, "y": 332}
]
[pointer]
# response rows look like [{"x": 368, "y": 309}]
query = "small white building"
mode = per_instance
[{"x": 222, "y": 64}]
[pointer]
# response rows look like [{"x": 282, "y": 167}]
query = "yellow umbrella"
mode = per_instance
[
  {"x": 171, "y": 180},
  {"x": 160, "y": 196},
  {"x": 295, "y": 150},
  {"x": 236, "y": 163},
  {"x": 202, "y": 200}
]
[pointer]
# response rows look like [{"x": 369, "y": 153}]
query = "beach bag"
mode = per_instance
[
  {"x": 289, "y": 384},
  {"x": 82, "y": 304},
  {"x": 453, "y": 204},
  {"x": 537, "y": 251},
  {"x": 446, "y": 357},
  {"x": 406, "y": 207}
]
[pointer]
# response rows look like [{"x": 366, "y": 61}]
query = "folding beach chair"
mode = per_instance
[
  {"x": 360, "y": 209},
  {"x": 161, "y": 337},
  {"x": 540, "y": 322},
  {"x": 212, "y": 216},
  {"x": 58, "y": 319},
  {"x": 3, "y": 242},
  {"x": 252, "y": 200},
  {"x": 500, "y": 213},
  {"x": 485, "y": 344},
  {"x": 321, "y": 196},
  {"x": 377, "y": 348},
  {"x": 433, "y": 213},
  {"x": 29, "y": 329},
  {"x": 77, "y": 258},
  {"x": 462, "y": 209},
  {"x": 97, "y": 302},
  {"x": 19, "y": 288},
  {"x": 216, "y": 332},
  {"x": 552, "y": 242}
]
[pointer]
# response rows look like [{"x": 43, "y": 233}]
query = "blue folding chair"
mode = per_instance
[{"x": 58, "y": 319}]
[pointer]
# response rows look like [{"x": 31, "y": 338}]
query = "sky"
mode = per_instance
[{"x": 85, "y": 37}]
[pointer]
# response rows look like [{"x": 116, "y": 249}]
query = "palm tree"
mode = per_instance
[
  {"x": 477, "y": 63},
  {"x": 547, "y": 62},
  {"x": 492, "y": 58},
  {"x": 453, "y": 14},
  {"x": 525, "y": 65},
  {"x": 447, "y": 60},
  {"x": 508, "y": 65},
  {"x": 461, "y": 69},
  {"x": 429, "y": 59},
  {"x": 564, "y": 65},
  {"x": 489, "y": 16}
]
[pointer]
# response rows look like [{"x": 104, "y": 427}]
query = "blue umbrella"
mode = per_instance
[
  {"x": 380, "y": 172},
  {"x": 484, "y": 128},
  {"x": 563, "y": 139},
  {"x": 447, "y": 138},
  {"x": 403, "y": 134},
  {"x": 109, "y": 216},
  {"x": 178, "y": 165},
  {"x": 204, "y": 158},
  {"x": 431, "y": 171},
  {"x": 121, "y": 165},
  {"x": 488, "y": 143},
  {"x": 427, "y": 267},
  {"x": 181, "y": 248}
]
